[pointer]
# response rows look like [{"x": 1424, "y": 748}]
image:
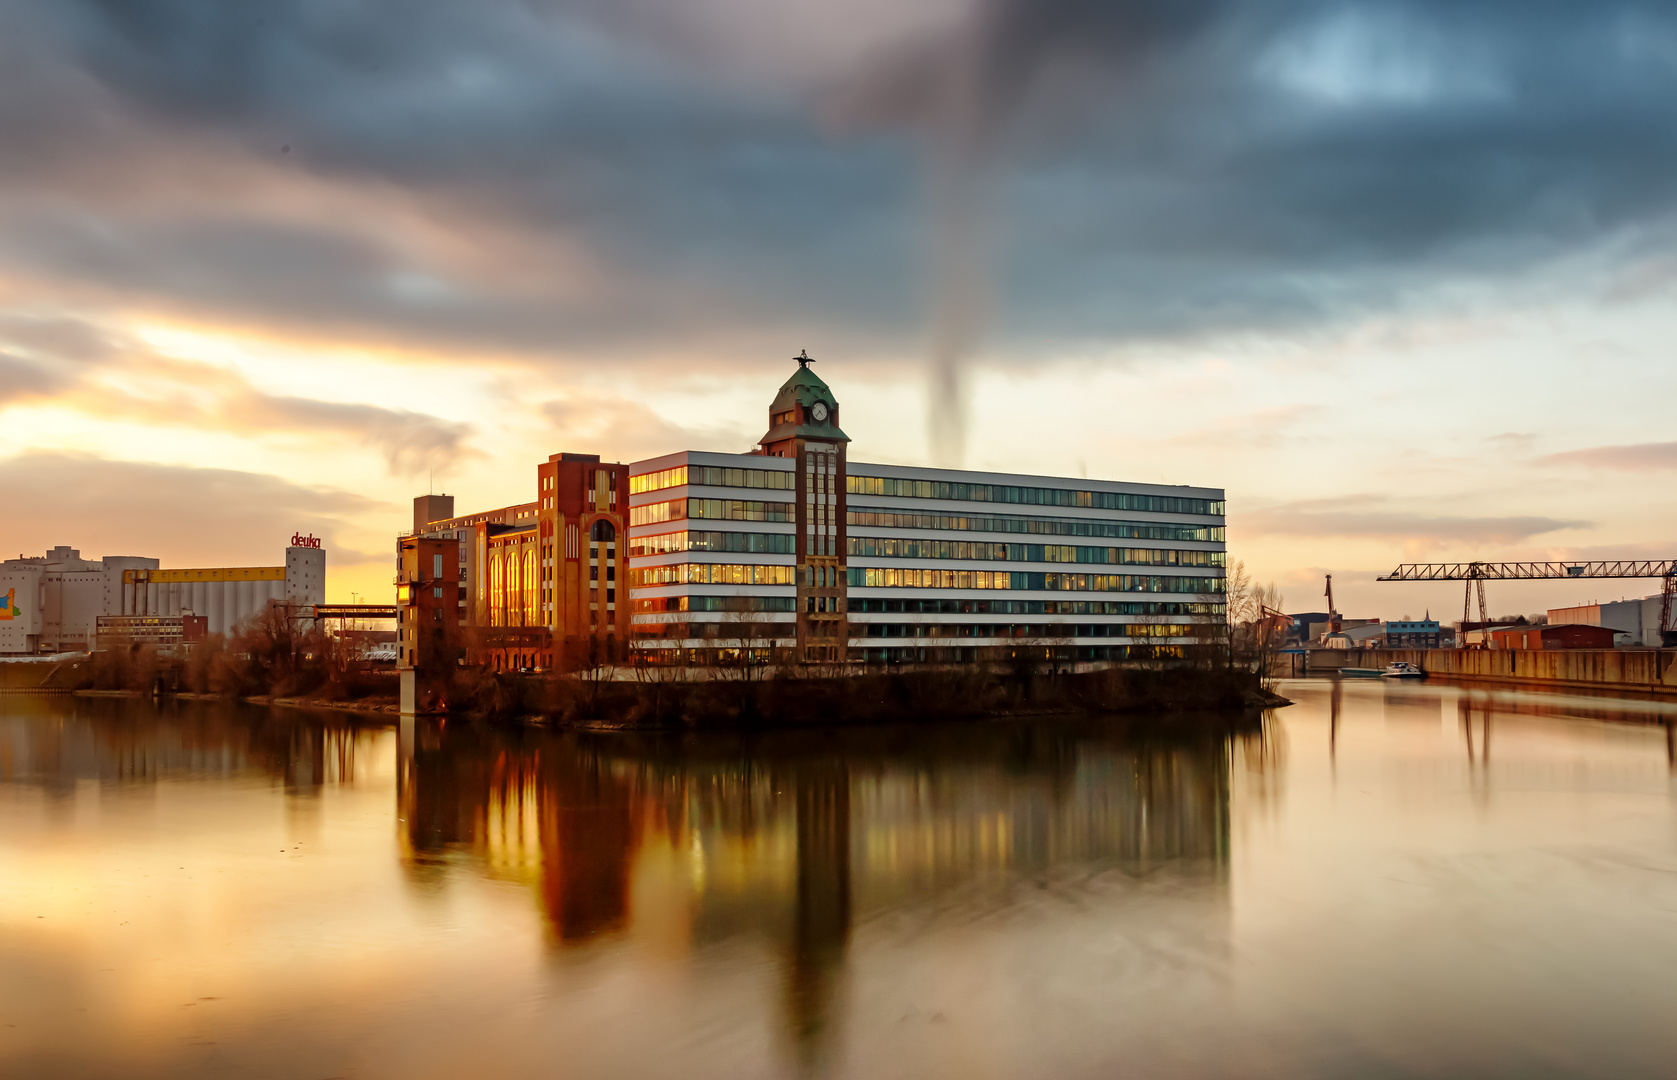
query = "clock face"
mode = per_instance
[{"x": 819, "y": 411}]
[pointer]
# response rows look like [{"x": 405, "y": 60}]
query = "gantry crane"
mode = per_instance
[{"x": 1475, "y": 574}]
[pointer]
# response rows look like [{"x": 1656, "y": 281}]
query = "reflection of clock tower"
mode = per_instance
[{"x": 803, "y": 425}]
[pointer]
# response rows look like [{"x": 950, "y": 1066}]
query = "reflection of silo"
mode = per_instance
[{"x": 821, "y": 930}]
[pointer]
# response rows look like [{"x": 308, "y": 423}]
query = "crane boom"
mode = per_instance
[{"x": 1531, "y": 571}]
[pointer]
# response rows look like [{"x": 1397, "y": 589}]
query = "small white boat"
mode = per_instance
[{"x": 1402, "y": 669}]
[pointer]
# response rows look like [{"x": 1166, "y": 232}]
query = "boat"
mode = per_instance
[
  {"x": 1361, "y": 672},
  {"x": 1403, "y": 669}
]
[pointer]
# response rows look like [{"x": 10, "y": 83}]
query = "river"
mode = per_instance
[{"x": 1387, "y": 880}]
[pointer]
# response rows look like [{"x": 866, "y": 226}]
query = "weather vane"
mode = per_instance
[{"x": 804, "y": 359}]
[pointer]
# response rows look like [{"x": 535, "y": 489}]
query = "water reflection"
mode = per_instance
[
  {"x": 793, "y": 838},
  {"x": 57, "y": 743},
  {"x": 209, "y": 891}
]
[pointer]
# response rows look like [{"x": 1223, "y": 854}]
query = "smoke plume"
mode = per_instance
[{"x": 965, "y": 94}]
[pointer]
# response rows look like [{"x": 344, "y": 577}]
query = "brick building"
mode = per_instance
[{"x": 538, "y": 582}]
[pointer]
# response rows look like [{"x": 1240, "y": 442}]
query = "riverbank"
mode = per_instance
[
  {"x": 781, "y": 701},
  {"x": 1641, "y": 671},
  {"x": 862, "y": 699}
]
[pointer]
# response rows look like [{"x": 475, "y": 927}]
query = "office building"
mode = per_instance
[{"x": 797, "y": 551}]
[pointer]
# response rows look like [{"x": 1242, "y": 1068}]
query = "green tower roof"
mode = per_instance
[{"x": 804, "y": 389}]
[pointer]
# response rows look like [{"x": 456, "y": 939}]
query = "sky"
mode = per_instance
[{"x": 1398, "y": 276}]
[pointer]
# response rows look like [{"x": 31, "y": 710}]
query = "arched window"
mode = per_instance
[
  {"x": 604, "y": 532},
  {"x": 532, "y": 591},
  {"x": 497, "y": 590}
]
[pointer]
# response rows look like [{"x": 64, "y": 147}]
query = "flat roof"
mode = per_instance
[{"x": 923, "y": 472}]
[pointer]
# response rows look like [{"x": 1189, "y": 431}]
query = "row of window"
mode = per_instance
[
  {"x": 716, "y": 476},
  {"x": 921, "y": 606},
  {"x": 893, "y": 548},
  {"x": 711, "y": 574},
  {"x": 755, "y": 543},
  {"x": 659, "y": 605},
  {"x": 1010, "y": 523},
  {"x": 1003, "y": 630},
  {"x": 713, "y": 509},
  {"x": 937, "y": 654},
  {"x": 712, "y": 476},
  {"x": 892, "y": 577},
  {"x": 1031, "y": 496}
]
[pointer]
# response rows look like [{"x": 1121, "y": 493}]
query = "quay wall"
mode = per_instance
[{"x": 1649, "y": 670}]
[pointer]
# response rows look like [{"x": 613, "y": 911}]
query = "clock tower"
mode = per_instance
[{"x": 804, "y": 426}]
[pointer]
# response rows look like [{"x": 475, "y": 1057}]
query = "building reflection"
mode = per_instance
[
  {"x": 687, "y": 841},
  {"x": 821, "y": 918},
  {"x": 57, "y": 742}
]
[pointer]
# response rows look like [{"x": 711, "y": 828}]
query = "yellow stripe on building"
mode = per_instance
[{"x": 220, "y": 573}]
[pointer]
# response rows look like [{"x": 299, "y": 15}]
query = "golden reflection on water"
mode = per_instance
[{"x": 196, "y": 890}]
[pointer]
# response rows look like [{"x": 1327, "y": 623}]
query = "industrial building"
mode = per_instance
[
  {"x": 1637, "y": 622},
  {"x": 735, "y": 557},
  {"x": 55, "y": 602},
  {"x": 229, "y": 595},
  {"x": 51, "y": 603},
  {"x": 1553, "y": 636}
]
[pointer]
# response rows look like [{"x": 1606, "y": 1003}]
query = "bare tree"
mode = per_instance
[
  {"x": 1269, "y": 629},
  {"x": 749, "y": 652}
]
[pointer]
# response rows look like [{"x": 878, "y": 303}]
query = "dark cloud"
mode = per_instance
[
  {"x": 1162, "y": 168},
  {"x": 1639, "y": 457},
  {"x": 1376, "y": 518},
  {"x": 203, "y": 517}
]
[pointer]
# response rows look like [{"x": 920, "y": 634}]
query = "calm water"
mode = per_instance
[{"x": 1390, "y": 880}]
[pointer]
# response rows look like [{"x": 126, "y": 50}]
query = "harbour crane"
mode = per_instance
[{"x": 1475, "y": 574}]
